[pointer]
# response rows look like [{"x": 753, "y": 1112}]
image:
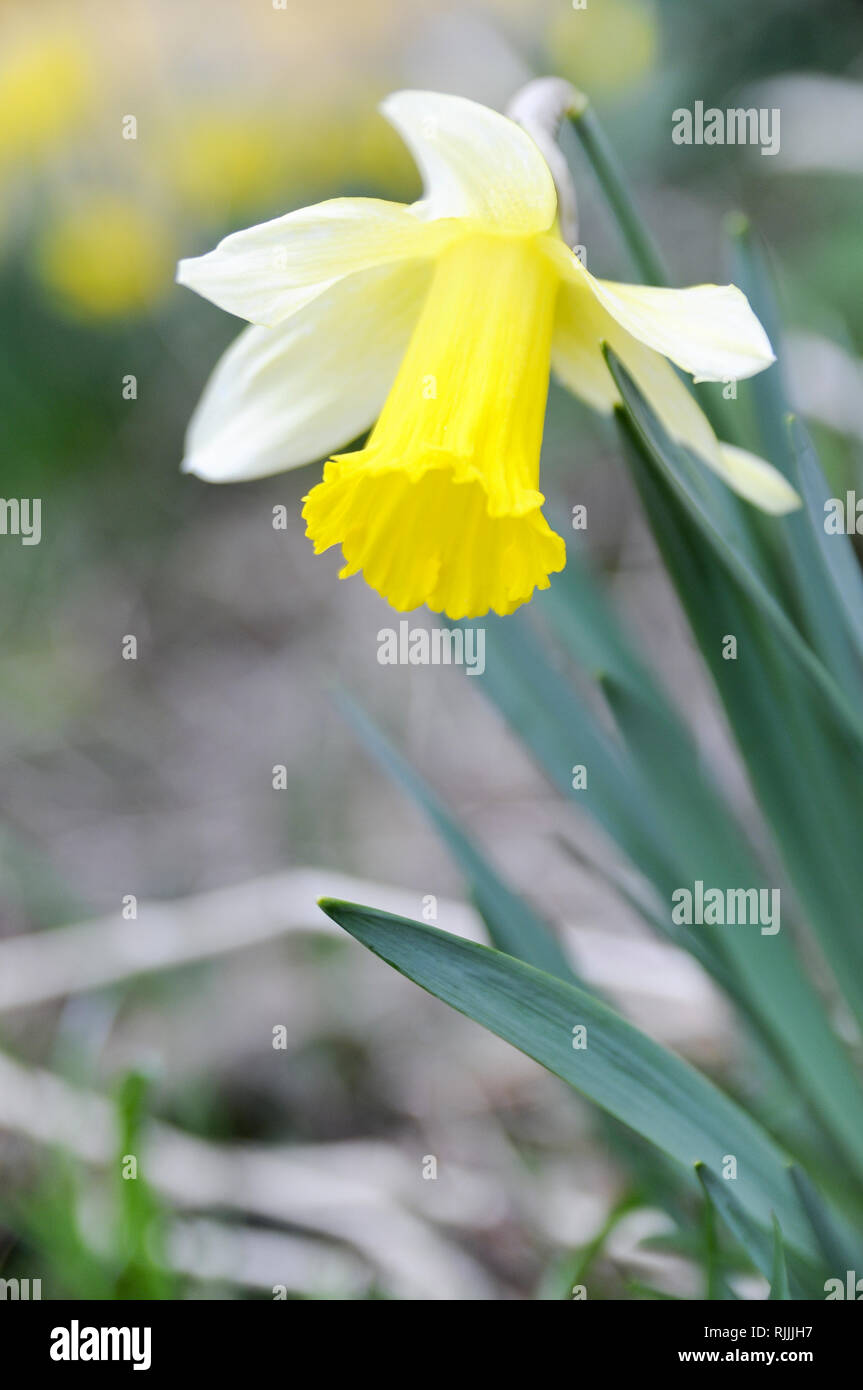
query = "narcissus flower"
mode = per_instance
[
  {"x": 440, "y": 322},
  {"x": 105, "y": 257}
]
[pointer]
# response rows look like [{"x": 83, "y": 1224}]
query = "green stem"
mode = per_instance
[{"x": 605, "y": 164}]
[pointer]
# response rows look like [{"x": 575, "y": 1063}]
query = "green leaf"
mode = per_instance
[
  {"x": 572, "y": 1268},
  {"x": 142, "y": 1272},
  {"x": 840, "y": 1253},
  {"x": 807, "y": 765},
  {"x": 792, "y": 776},
  {"x": 714, "y": 1282},
  {"x": 561, "y": 731},
  {"x": 679, "y": 472},
  {"x": 623, "y": 1071},
  {"x": 837, "y": 552},
  {"x": 694, "y": 820},
  {"x": 512, "y": 925},
  {"x": 759, "y": 1244},
  {"x": 779, "y": 1273},
  {"x": 636, "y": 805},
  {"x": 801, "y": 546}
]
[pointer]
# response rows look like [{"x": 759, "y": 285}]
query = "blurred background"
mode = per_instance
[{"x": 282, "y": 1091}]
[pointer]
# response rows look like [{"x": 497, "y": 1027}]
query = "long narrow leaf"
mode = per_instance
[
  {"x": 773, "y": 749},
  {"x": 779, "y": 1285},
  {"x": 670, "y": 457},
  {"x": 622, "y": 1070},
  {"x": 760, "y": 1244},
  {"x": 513, "y": 926}
]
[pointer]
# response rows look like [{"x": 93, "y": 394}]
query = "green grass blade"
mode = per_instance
[
  {"x": 143, "y": 1273},
  {"x": 756, "y": 1238},
  {"x": 716, "y": 1289},
  {"x": 837, "y": 552},
  {"x": 801, "y": 554},
  {"x": 671, "y": 460},
  {"x": 787, "y": 775},
  {"x": 771, "y": 985},
  {"x": 623, "y": 1071},
  {"x": 807, "y": 766},
  {"x": 840, "y": 1252},
  {"x": 561, "y": 731},
  {"x": 513, "y": 926},
  {"x": 779, "y": 1273}
]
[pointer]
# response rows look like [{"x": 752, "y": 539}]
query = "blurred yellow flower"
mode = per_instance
[
  {"x": 442, "y": 321},
  {"x": 216, "y": 157},
  {"x": 215, "y": 161},
  {"x": 376, "y": 155},
  {"x": 607, "y": 46},
  {"x": 105, "y": 256},
  {"x": 46, "y": 87}
]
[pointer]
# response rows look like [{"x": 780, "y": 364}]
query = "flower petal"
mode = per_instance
[
  {"x": 582, "y": 325},
  {"x": 475, "y": 162},
  {"x": 757, "y": 481},
  {"x": 708, "y": 330},
  {"x": 284, "y": 396},
  {"x": 268, "y": 272}
]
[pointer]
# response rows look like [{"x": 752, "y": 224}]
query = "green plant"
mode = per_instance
[{"x": 792, "y": 597}]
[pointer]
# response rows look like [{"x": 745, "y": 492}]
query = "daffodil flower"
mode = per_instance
[{"x": 438, "y": 324}]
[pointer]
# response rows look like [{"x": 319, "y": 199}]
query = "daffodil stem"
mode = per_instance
[{"x": 605, "y": 164}]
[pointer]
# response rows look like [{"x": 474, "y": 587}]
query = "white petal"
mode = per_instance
[
  {"x": 268, "y": 272},
  {"x": 475, "y": 163},
  {"x": 757, "y": 481},
  {"x": 284, "y": 396},
  {"x": 582, "y": 325},
  {"x": 708, "y": 330}
]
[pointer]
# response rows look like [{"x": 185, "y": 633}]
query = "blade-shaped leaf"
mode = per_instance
[
  {"x": 837, "y": 552},
  {"x": 805, "y": 562},
  {"x": 839, "y": 1250},
  {"x": 779, "y": 1288},
  {"x": 512, "y": 925},
  {"x": 682, "y": 476},
  {"x": 798, "y": 780},
  {"x": 549, "y": 715},
  {"x": 759, "y": 1244},
  {"x": 648, "y": 1088}
]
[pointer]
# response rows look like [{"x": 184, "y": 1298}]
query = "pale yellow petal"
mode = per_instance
[
  {"x": 756, "y": 480},
  {"x": 475, "y": 163},
  {"x": 582, "y": 325},
  {"x": 284, "y": 396},
  {"x": 268, "y": 272},
  {"x": 709, "y": 331}
]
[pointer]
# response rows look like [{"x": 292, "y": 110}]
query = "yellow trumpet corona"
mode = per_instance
[{"x": 442, "y": 506}]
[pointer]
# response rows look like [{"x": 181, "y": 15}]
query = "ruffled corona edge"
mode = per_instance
[{"x": 427, "y": 536}]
